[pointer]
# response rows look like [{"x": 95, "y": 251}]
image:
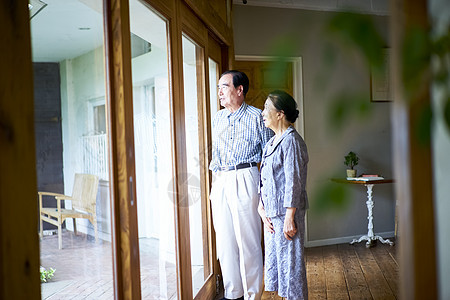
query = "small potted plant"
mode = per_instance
[
  {"x": 46, "y": 274},
  {"x": 351, "y": 160}
]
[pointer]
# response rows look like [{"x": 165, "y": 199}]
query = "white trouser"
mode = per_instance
[{"x": 234, "y": 200}]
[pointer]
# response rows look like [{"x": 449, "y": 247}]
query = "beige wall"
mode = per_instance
[{"x": 260, "y": 31}]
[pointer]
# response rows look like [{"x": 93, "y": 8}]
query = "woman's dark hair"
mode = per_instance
[
  {"x": 239, "y": 78},
  {"x": 284, "y": 102}
]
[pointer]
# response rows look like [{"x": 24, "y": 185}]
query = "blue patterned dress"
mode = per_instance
[{"x": 283, "y": 184}]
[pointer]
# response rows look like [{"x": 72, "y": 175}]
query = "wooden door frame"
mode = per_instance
[
  {"x": 297, "y": 83},
  {"x": 126, "y": 256},
  {"x": 193, "y": 28},
  {"x": 413, "y": 164},
  {"x": 19, "y": 243},
  {"x": 216, "y": 52},
  {"x": 126, "y": 266},
  {"x": 182, "y": 16}
]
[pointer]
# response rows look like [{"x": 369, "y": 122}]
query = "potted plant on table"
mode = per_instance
[{"x": 351, "y": 160}]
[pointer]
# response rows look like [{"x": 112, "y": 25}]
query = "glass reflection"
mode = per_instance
[
  {"x": 70, "y": 131},
  {"x": 153, "y": 153},
  {"x": 213, "y": 92},
  {"x": 198, "y": 236}
]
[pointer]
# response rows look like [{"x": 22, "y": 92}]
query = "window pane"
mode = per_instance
[
  {"x": 153, "y": 153},
  {"x": 69, "y": 94},
  {"x": 213, "y": 81},
  {"x": 198, "y": 228}
]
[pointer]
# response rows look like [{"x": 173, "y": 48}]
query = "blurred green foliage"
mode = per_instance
[
  {"x": 358, "y": 34},
  {"x": 440, "y": 50},
  {"x": 330, "y": 197},
  {"x": 345, "y": 105},
  {"x": 359, "y": 31},
  {"x": 420, "y": 48},
  {"x": 425, "y": 60}
]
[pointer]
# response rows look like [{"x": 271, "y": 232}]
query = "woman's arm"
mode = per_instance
[
  {"x": 267, "y": 222},
  {"x": 289, "y": 228}
]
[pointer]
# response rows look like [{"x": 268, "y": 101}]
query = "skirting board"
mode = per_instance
[{"x": 343, "y": 240}]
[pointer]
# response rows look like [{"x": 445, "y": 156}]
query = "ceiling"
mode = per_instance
[
  {"x": 67, "y": 29},
  {"x": 376, "y": 7},
  {"x": 64, "y": 30}
]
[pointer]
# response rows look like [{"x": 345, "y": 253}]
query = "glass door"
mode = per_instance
[
  {"x": 195, "y": 200},
  {"x": 200, "y": 77},
  {"x": 171, "y": 156},
  {"x": 214, "y": 71},
  {"x": 72, "y": 149},
  {"x": 153, "y": 153},
  {"x": 91, "y": 83}
]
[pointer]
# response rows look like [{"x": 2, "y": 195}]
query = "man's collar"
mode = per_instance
[{"x": 238, "y": 113}]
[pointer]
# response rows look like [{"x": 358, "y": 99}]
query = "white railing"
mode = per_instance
[{"x": 94, "y": 155}]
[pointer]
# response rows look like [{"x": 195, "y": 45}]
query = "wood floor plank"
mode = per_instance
[
  {"x": 270, "y": 296},
  {"x": 379, "y": 288},
  {"x": 393, "y": 251},
  {"x": 315, "y": 273},
  {"x": 334, "y": 274},
  {"x": 388, "y": 266},
  {"x": 356, "y": 282},
  {"x": 350, "y": 272}
]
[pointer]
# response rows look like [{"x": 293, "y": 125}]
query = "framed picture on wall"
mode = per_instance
[{"x": 380, "y": 82}]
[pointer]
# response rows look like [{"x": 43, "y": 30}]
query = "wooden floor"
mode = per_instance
[
  {"x": 350, "y": 272},
  {"x": 84, "y": 271}
]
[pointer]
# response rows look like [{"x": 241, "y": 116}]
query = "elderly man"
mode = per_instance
[{"x": 239, "y": 136}]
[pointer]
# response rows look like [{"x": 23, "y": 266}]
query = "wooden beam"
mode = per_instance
[
  {"x": 413, "y": 165},
  {"x": 212, "y": 19},
  {"x": 121, "y": 141},
  {"x": 19, "y": 243},
  {"x": 182, "y": 234}
]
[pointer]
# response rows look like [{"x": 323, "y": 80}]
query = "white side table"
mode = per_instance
[{"x": 370, "y": 237}]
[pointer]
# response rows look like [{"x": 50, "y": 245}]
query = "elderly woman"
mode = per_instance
[{"x": 283, "y": 199}]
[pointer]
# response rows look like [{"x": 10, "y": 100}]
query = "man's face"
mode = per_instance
[{"x": 229, "y": 96}]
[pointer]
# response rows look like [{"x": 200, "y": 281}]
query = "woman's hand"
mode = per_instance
[
  {"x": 267, "y": 222},
  {"x": 289, "y": 228}
]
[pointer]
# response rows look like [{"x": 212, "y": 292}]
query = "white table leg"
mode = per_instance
[{"x": 370, "y": 237}]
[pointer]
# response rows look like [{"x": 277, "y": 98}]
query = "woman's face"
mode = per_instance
[{"x": 270, "y": 114}]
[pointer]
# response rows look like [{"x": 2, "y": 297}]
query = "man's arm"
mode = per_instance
[{"x": 213, "y": 165}]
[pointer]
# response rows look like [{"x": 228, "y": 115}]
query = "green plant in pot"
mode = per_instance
[{"x": 351, "y": 160}]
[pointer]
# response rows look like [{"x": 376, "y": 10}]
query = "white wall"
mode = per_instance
[
  {"x": 82, "y": 81},
  {"x": 262, "y": 31}
]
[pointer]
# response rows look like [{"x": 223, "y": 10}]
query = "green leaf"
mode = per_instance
[
  {"x": 447, "y": 113},
  {"x": 46, "y": 274},
  {"x": 423, "y": 125}
]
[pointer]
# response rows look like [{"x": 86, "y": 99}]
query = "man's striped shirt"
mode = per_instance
[{"x": 238, "y": 137}]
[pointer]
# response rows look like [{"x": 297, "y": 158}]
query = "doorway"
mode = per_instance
[{"x": 268, "y": 73}]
